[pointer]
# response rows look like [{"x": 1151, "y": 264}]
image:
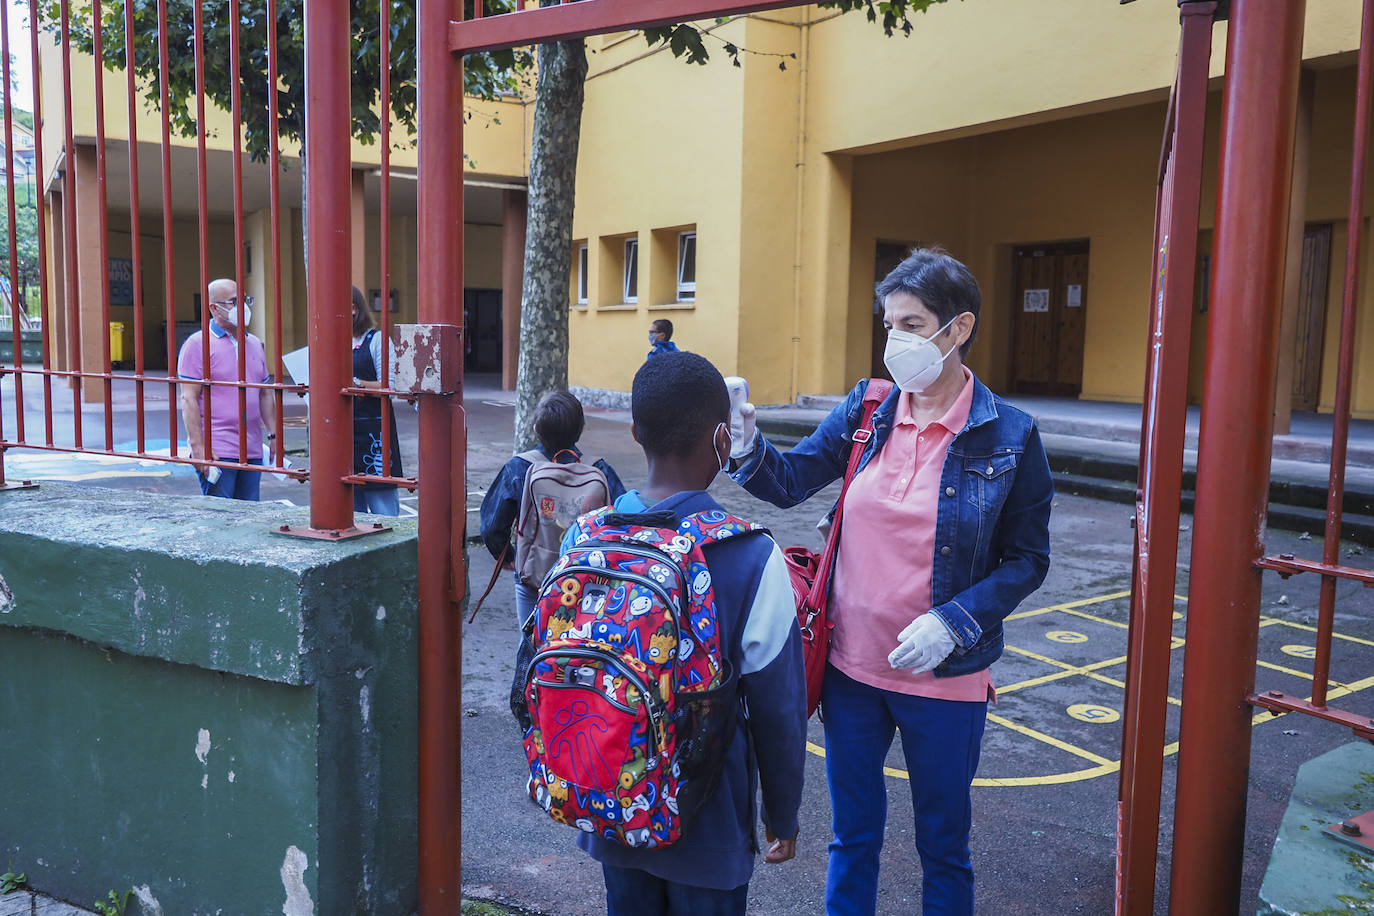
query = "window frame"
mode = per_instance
[
  {"x": 630, "y": 271},
  {"x": 583, "y": 259},
  {"x": 686, "y": 290}
]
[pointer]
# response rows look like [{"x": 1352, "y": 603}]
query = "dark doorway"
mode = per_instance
[
  {"x": 1050, "y": 300},
  {"x": 482, "y": 327},
  {"x": 887, "y": 256},
  {"x": 1309, "y": 330}
]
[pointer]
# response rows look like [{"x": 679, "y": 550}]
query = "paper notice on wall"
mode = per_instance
[
  {"x": 1074, "y": 299},
  {"x": 1036, "y": 300}
]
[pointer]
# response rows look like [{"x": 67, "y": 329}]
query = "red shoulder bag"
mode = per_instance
[{"x": 810, "y": 572}]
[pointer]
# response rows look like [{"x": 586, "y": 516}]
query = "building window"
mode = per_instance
[
  {"x": 631, "y": 270},
  {"x": 582, "y": 274},
  {"x": 687, "y": 267}
]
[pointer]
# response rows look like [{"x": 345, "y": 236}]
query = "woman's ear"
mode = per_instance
[{"x": 963, "y": 327}]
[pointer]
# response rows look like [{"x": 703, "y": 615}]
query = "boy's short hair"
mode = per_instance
[
  {"x": 558, "y": 421},
  {"x": 677, "y": 399},
  {"x": 662, "y": 326}
]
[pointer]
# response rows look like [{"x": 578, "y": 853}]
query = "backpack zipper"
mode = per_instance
[{"x": 629, "y": 674}]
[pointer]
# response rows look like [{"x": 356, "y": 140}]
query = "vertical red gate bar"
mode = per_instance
[
  {"x": 384, "y": 227},
  {"x": 1161, "y": 467},
  {"x": 203, "y": 222},
  {"x": 14, "y": 243},
  {"x": 443, "y": 496},
  {"x": 328, "y": 215},
  {"x": 1264, "y": 52},
  {"x": 169, "y": 299},
  {"x": 103, "y": 219},
  {"x": 240, "y": 331},
  {"x": 1331, "y": 546},
  {"x": 71, "y": 295},
  {"x": 274, "y": 195},
  {"x": 41, "y": 212},
  {"x": 134, "y": 228}
]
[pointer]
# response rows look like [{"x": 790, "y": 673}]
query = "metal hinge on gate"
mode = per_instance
[{"x": 428, "y": 358}]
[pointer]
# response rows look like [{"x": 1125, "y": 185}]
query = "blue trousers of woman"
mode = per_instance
[{"x": 941, "y": 740}]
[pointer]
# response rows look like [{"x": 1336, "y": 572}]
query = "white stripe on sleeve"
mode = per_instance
[{"x": 772, "y": 617}]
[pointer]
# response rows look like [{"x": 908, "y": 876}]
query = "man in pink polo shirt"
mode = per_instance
[{"x": 227, "y": 423}]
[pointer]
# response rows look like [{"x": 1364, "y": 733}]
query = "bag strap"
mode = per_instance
[
  {"x": 495, "y": 574},
  {"x": 876, "y": 392}
]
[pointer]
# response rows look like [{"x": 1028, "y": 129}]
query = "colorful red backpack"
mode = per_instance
[{"x": 631, "y": 696}]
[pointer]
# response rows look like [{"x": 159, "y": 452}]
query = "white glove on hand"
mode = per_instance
[
  {"x": 742, "y": 415},
  {"x": 924, "y": 643}
]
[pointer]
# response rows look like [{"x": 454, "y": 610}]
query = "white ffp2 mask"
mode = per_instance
[{"x": 914, "y": 361}]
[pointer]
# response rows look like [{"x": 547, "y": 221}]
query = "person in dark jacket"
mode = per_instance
[
  {"x": 945, "y": 532},
  {"x": 661, "y": 337},
  {"x": 376, "y": 498},
  {"x": 681, "y": 414},
  {"x": 558, "y": 424}
]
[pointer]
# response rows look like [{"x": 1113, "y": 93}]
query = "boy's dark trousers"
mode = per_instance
[{"x": 632, "y": 892}]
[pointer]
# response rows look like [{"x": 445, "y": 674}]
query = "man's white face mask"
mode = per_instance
[{"x": 915, "y": 361}]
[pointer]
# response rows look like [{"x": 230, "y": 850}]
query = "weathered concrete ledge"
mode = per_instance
[
  {"x": 195, "y": 706},
  {"x": 1311, "y": 873}
]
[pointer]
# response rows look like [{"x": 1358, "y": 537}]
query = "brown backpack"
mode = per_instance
[{"x": 554, "y": 496}]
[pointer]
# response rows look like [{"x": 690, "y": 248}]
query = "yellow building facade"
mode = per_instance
[{"x": 1022, "y": 137}]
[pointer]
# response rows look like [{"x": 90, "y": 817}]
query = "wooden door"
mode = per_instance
[
  {"x": 1049, "y": 305},
  {"x": 1309, "y": 330},
  {"x": 887, "y": 257}
]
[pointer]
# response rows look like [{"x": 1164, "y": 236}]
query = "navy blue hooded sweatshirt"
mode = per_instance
[{"x": 758, "y": 626}]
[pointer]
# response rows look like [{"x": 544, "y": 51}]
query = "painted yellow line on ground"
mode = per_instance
[
  {"x": 1305, "y": 675},
  {"x": 1051, "y": 740},
  {"x": 1264, "y": 621},
  {"x": 1082, "y": 602},
  {"x": 1093, "y": 617},
  {"x": 1067, "y": 671}
]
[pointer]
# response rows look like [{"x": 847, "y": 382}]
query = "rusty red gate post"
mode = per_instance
[
  {"x": 443, "y": 491},
  {"x": 1263, "y": 56},
  {"x": 328, "y": 251}
]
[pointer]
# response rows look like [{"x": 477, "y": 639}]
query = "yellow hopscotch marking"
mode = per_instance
[
  {"x": 1082, "y": 602},
  {"x": 1101, "y": 765},
  {"x": 1264, "y": 621}
]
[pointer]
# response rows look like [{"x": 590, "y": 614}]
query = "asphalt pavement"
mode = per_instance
[{"x": 1045, "y": 798}]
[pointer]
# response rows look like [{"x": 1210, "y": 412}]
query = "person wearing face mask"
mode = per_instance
[
  {"x": 229, "y": 427},
  {"x": 945, "y": 532},
  {"x": 661, "y": 338}
]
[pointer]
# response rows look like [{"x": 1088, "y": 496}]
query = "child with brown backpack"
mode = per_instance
[{"x": 538, "y": 494}]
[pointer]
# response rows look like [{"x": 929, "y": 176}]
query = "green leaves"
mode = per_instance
[{"x": 11, "y": 882}]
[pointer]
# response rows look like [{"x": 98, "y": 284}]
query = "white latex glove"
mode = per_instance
[
  {"x": 924, "y": 643},
  {"x": 742, "y": 416}
]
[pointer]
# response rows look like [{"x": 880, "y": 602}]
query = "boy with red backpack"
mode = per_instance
[
  {"x": 538, "y": 494},
  {"x": 666, "y": 684}
]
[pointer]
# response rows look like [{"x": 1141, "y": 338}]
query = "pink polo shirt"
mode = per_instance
[
  {"x": 225, "y": 421},
  {"x": 887, "y": 551}
]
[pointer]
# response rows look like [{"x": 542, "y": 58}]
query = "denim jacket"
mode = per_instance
[{"x": 992, "y": 540}]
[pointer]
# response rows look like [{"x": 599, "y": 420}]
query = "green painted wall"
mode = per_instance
[{"x": 195, "y": 705}]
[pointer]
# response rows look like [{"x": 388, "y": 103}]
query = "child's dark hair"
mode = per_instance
[
  {"x": 662, "y": 326},
  {"x": 558, "y": 421},
  {"x": 677, "y": 400}
]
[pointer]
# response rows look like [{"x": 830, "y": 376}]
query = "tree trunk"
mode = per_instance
[{"x": 548, "y": 239}]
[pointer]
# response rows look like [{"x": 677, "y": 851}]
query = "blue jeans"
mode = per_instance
[
  {"x": 941, "y": 740},
  {"x": 632, "y": 892},
  {"x": 233, "y": 484},
  {"x": 377, "y": 501}
]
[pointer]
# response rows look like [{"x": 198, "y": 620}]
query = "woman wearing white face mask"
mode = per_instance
[{"x": 945, "y": 532}]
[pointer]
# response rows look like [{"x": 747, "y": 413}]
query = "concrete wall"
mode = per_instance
[{"x": 195, "y": 705}]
